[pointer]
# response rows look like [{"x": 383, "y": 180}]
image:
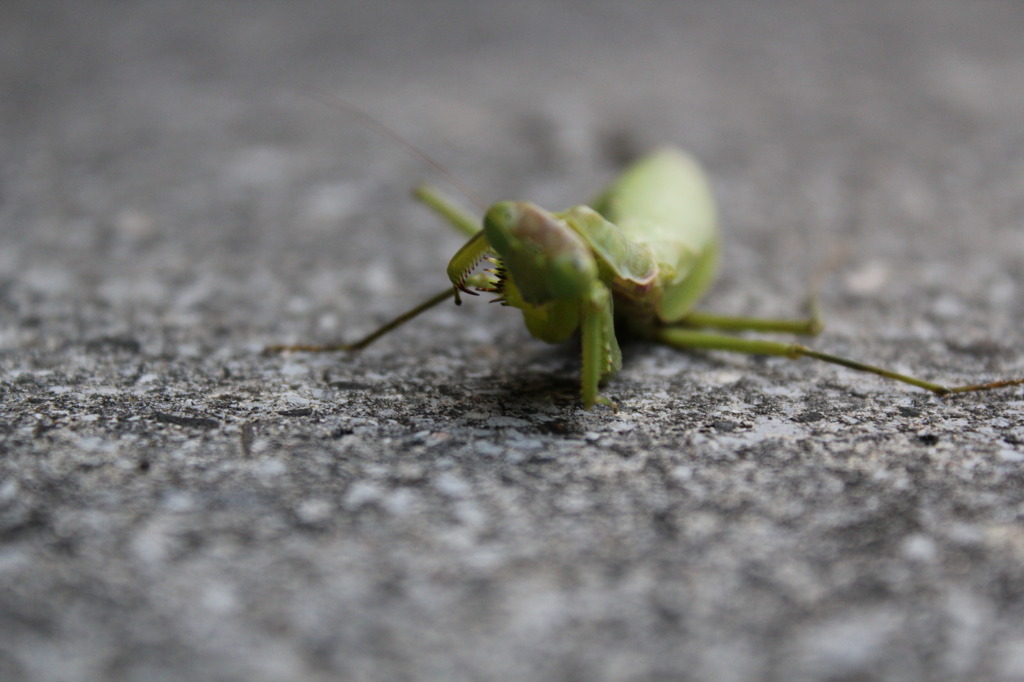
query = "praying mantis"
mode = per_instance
[{"x": 635, "y": 260}]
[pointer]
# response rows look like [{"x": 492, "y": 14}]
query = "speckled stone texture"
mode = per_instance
[{"x": 173, "y": 196}]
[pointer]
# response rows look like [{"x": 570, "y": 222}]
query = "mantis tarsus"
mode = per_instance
[{"x": 638, "y": 258}]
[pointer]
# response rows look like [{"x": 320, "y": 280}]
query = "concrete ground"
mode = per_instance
[{"x": 173, "y": 196}]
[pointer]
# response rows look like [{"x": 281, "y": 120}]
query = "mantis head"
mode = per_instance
[{"x": 539, "y": 258}]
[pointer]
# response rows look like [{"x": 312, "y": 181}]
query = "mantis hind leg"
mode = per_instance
[
  {"x": 811, "y": 325},
  {"x": 684, "y": 337}
]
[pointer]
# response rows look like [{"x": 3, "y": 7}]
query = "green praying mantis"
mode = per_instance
[{"x": 636, "y": 260}]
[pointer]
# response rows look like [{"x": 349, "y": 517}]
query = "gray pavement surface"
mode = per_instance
[{"x": 175, "y": 505}]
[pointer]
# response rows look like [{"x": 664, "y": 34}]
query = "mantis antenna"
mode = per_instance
[{"x": 376, "y": 125}]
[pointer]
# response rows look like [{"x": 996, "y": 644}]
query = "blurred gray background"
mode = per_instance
[{"x": 174, "y": 195}]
